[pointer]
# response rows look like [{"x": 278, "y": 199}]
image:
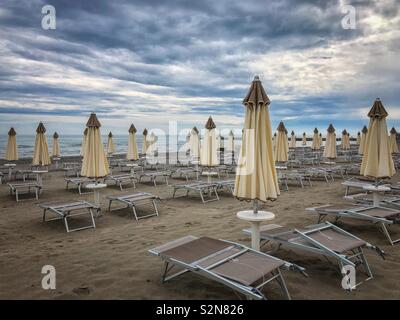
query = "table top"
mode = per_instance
[
  {"x": 96, "y": 186},
  {"x": 132, "y": 165},
  {"x": 209, "y": 173},
  {"x": 39, "y": 171},
  {"x": 249, "y": 215},
  {"x": 9, "y": 164},
  {"x": 376, "y": 188}
]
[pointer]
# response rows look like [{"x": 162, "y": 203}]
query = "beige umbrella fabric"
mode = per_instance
[
  {"x": 84, "y": 139},
  {"x": 41, "y": 152},
  {"x": 377, "y": 159},
  {"x": 208, "y": 154},
  {"x": 345, "y": 141},
  {"x": 362, "y": 142},
  {"x": 256, "y": 177},
  {"x": 56, "y": 145},
  {"x": 292, "y": 140},
  {"x": 194, "y": 143},
  {"x": 274, "y": 142},
  {"x": 12, "y": 147},
  {"x": 145, "y": 143},
  {"x": 281, "y": 149},
  {"x": 110, "y": 144},
  {"x": 393, "y": 141},
  {"x": 320, "y": 140},
  {"x": 132, "y": 145},
  {"x": 95, "y": 163},
  {"x": 358, "y": 140},
  {"x": 315, "y": 140},
  {"x": 304, "y": 139},
  {"x": 330, "y": 143}
]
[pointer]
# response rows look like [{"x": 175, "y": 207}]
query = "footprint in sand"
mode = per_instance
[
  {"x": 159, "y": 227},
  {"x": 82, "y": 290}
]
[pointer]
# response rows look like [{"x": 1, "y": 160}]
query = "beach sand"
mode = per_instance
[{"x": 112, "y": 262}]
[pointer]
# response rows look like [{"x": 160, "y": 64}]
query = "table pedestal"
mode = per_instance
[
  {"x": 96, "y": 187},
  {"x": 255, "y": 220},
  {"x": 376, "y": 190},
  {"x": 10, "y": 167}
]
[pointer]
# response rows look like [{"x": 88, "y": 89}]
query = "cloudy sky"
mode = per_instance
[{"x": 149, "y": 62}]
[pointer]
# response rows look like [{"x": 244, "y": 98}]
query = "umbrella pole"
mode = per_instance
[{"x": 255, "y": 206}]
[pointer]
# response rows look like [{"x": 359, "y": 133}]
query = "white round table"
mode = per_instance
[
  {"x": 96, "y": 187},
  {"x": 39, "y": 176},
  {"x": 280, "y": 167},
  {"x": 376, "y": 190},
  {"x": 255, "y": 220},
  {"x": 10, "y": 167},
  {"x": 329, "y": 163},
  {"x": 132, "y": 166}
]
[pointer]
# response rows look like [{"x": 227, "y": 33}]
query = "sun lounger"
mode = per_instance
[
  {"x": 153, "y": 175},
  {"x": 203, "y": 188},
  {"x": 79, "y": 182},
  {"x": 24, "y": 174},
  {"x": 390, "y": 201},
  {"x": 24, "y": 188},
  {"x": 323, "y": 239},
  {"x": 74, "y": 170},
  {"x": 296, "y": 176},
  {"x": 120, "y": 179},
  {"x": 65, "y": 211},
  {"x": 359, "y": 183},
  {"x": 382, "y": 217},
  {"x": 225, "y": 185},
  {"x": 187, "y": 172},
  {"x": 132, "y": 201},
  {"x": 233, "y": 265},
  {"x": 318, "y": 172}
]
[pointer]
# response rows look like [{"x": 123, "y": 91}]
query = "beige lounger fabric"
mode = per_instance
[{"x": 256, "y": 176}]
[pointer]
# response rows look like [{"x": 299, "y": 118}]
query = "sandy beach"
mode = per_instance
[{"x": 112, "y": 262}]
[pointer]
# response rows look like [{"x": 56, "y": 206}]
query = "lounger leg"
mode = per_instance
[
  {"x": 109, "y": 205},
  {"x": 44, "y": 215},
  {"x": 79, "y": 189},
  {"x": 155, "y": 207},
  {"x": 154, "y": 181},
  {"x": 386, "y": 233},
  {"x": 92, "y": 217},
  {"x": 216, "y": 193},
  {"x": 366, "y": 264},
  {"x": 66, "y": 223},
  {"x": 201, "y": 195},
  {"x": 283, "y": 284},
  {"x": 16, "y": 195},
  {"x": 134, "y": 213},
  {"x": 37, "y": 194}
]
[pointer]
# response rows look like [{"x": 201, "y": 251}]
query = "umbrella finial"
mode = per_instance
[
  {"x": 12, "y": 132},
  {"x": 256, "y": 78},
  {"x": 110, "y": 135},
  {"x": 377, "y": 110},
  {"x": 210, "y": 124},
  {"x": 145, "y": 132},
  {"x": 41, "y": 128},
  {"x": 55, "y": 135},
  {"x": 93, "y": 121},
  {"x": 132, "y": 129}
]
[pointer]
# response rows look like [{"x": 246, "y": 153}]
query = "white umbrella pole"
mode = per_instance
[{"x": 255, "y": 206}]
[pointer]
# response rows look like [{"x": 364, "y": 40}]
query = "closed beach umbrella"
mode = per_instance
[
  {"x": 194, "y": 143},
  {"x": 56, "y": 145},
  {"x": 345, "y": 143},
  {"x": 110, "y": 144},
  {"x": 85, "y": 132},
  {"x": 304, "y": 140},
  {"x": 256, "y": 177},
  {"x": 208, "y": 154},
  {"x": 330, "y": 143},
  {"x": 364, "y": 132},
  {"x": 95, "y": 163},
  {"x": 132, "y": 145},
  {"x": 292, "y": 140},
  {"x": 377, "y": 159},
  {"x": 145, "y": 142},
  {"x": 358, "y": 138},
  {"x": 281, "y": 149},
  {"x": 315, "y": 140},
  {"x": 393, "y": 141},
  {"x": 41, "y": 152},
  {"x": 12, "y": 148}
]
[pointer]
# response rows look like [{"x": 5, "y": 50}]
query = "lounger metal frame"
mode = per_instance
[
  {"x": 80, "y": 183},
  {"x": 132, "y": 200},
  {"x": 316, "y": 247},
  {"x": 64, "y": 212},
  {"x": 153, "y": 175},
  {"x": 203, "y": 188},
  {"x": 24, "y": 188},
  {"x": 120, "y": 178},
  {"x": 357, "y": 213},
  {"x": 248, "y": 291}
]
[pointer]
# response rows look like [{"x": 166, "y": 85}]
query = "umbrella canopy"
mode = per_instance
[
  {"x": 84, "y": 139},
  {"x": 145, "y": 144},
  {"x": 12, "y": 148},
  {"x": 231, "y": 142},
  {"x": 95, "y": 163},
  {"x": 292, "y": 140},
  {"x": 281, "y": 149},
  {"x": 393, "y": 141},
  {"x": 330, "y": 143},
  {"x": 256, "y": 177},
  {"x": 362, "y": 141},
  {"x": 132, "y": 145},
  {"x": 304, "y": 139},
  {"x": 194, "y": 143},
  {"x": 315, "y": 140},
  {"x": 56, "y": 145},
  {"x": 110, "y": 144},
  {"x": 377, "y": 159},
  {"x": 208, "y": 154},
  {"x": 345, "y": 141},
  {"x": 358, "y": 138},
  {"x": 41, "y": 152}
]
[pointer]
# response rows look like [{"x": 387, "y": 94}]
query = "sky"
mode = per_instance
[{"x": 150, "y": 62}]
